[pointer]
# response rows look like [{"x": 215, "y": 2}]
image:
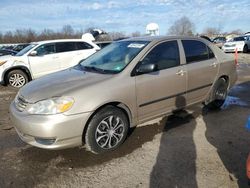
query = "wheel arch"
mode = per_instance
[
  {"x": 116, "y": 104},
  {"x": 22, "y": 68}
]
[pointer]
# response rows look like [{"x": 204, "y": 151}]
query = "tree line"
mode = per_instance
[{"x": 182, "y": 26}]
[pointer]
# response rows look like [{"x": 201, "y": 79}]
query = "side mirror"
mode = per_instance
[
  {"x": 146, "y": 68},
  {"x": 33, "y": 53}
]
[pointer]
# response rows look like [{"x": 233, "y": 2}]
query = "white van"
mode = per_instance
[{"x": 44, "y": 57}]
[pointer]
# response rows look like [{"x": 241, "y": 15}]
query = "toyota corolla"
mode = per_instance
[{"x": 125, "y": 84}]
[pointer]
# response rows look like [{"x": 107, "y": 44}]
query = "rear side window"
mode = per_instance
[
  {"x": 164, "y": 55},
  {"x": 196, "y": 51},
  {"x": 210, "y": 53},
  {"x": 46, "y": 49},
  {"x": 83, "y": 46},
  {"x": 65, "y": 47}
]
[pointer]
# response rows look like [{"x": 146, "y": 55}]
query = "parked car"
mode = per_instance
[
  {"x": 219, "y": 41},
  {"x": 7, "y": 52},
  {"x": 124, "y": 84},
  {"x": 41, "y": 58},
  {"x": 103, "y": 44},
  {"x": 21, "y": 46},
  {"x": 242, "y": 44},
  {"x": 206, "y": 37}
]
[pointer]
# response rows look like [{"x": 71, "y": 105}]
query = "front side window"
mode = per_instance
[
  {"x": 195, "y": 51},
  {"x": 164, "y": 55},
  {"x": 46, "y": 49},
  {"x": 113, "y": 58}
]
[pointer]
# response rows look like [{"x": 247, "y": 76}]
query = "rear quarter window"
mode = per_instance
[
  {"x": 83, "y": 46},
  {"x": 196, "y": 51}
]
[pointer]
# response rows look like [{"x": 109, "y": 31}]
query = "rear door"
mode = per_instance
[
  {"x": 45, "y": 62},
  {"x": 66, "y": 52},
  {"x": 163, "y": 89},
  {"x": 202, "y": 69}
]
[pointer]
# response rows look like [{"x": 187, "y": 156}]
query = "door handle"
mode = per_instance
[
  {"x": 180, "y": 72},
  {"x": 55, "y": 57},
  {"x": 214, "y": 64}
]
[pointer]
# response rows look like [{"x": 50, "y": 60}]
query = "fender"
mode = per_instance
[{"x": 20, "y": 67}]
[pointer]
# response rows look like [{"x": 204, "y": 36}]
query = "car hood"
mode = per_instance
[
  {"x": 60, "y": 84},
  {"x": 5, "y": 57}
]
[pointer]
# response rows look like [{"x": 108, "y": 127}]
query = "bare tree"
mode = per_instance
[
  {"x": 211, "y": 31},
  {"x": 136, "y": 34},
  {"x": 117, "y": 35},
  {"x": 30, "y": 36},
  {"x": 183, "y": 26},
  {"x": 237, "y": 32},
  {"x": 67, "y": 31}
]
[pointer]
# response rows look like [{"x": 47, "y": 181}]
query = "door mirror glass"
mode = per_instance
[
  {"x": 145, "y": 68},
  {"x": 33, "y": 53}
]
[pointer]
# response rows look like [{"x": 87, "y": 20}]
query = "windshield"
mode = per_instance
[
  {"x": 25, "y": 50},
  {"x": 239, "y": 39},
  {"x": 113, "y": 58}
]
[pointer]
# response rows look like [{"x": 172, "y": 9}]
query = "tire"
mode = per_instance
[
  {"x": 100, "y": 137},
  {"x": 17, "y": 78},
  {"x": 245, "y": 49},
  {"x": 219, "y": 94}
]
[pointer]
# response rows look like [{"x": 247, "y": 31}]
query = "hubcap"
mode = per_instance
[
  {"x": 109, "y": 132},
  {"x": 221, "y": 93},
  {"x": 17, "y": 80}
]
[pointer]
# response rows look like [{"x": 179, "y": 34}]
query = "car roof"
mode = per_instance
[
  {"x": 60, "y": 40},
  {"x": 160, "y": 38}
]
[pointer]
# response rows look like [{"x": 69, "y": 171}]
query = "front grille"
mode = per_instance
[
  {"x": 229, "y": 45},
  {"x": 20, "y": 103}
]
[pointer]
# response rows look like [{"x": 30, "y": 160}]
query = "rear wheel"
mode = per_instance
[
  {"x": 17, "y": 78},
  {"x": 106, "y": 130},
  {"x": 219, "y": 94}
]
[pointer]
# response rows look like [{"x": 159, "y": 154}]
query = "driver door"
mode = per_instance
[{"x": 164, "y": 89}]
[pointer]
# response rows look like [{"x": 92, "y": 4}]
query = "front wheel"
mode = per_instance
[
  {"x": 106, "y": 130},
  {"x": 17, "y": 78},
  {"x": 219, "y": 94}
]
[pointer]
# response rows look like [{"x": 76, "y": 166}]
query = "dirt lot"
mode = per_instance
[{"x": 197, "y": 148}]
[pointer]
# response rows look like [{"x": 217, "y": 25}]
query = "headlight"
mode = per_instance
[
  {"x": 51, "y": 106},
  {"x": 2, "y": 62}
]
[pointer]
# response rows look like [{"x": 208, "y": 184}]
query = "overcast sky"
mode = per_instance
[{"x": 123, "y": 15}]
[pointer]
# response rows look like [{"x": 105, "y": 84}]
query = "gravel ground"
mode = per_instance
[{"x": 195, "y": 148}]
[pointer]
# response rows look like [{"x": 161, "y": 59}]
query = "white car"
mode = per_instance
[
  {"x": 44, "y": 57},
  {"x": 241, "y": 44}
]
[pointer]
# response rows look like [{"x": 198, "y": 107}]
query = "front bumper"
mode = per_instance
[
  {"x": 49, "y": 131},
  {"x": 232, "y": 49}
]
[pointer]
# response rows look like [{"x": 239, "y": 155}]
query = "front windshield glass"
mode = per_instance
[
  {"x": 25, "y": 50},
  {"x": 113, "y": 58},
  {"x": 239, "y": 39}
]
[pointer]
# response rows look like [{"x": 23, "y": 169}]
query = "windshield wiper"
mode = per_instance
[{"x": 95, "y": 69}]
